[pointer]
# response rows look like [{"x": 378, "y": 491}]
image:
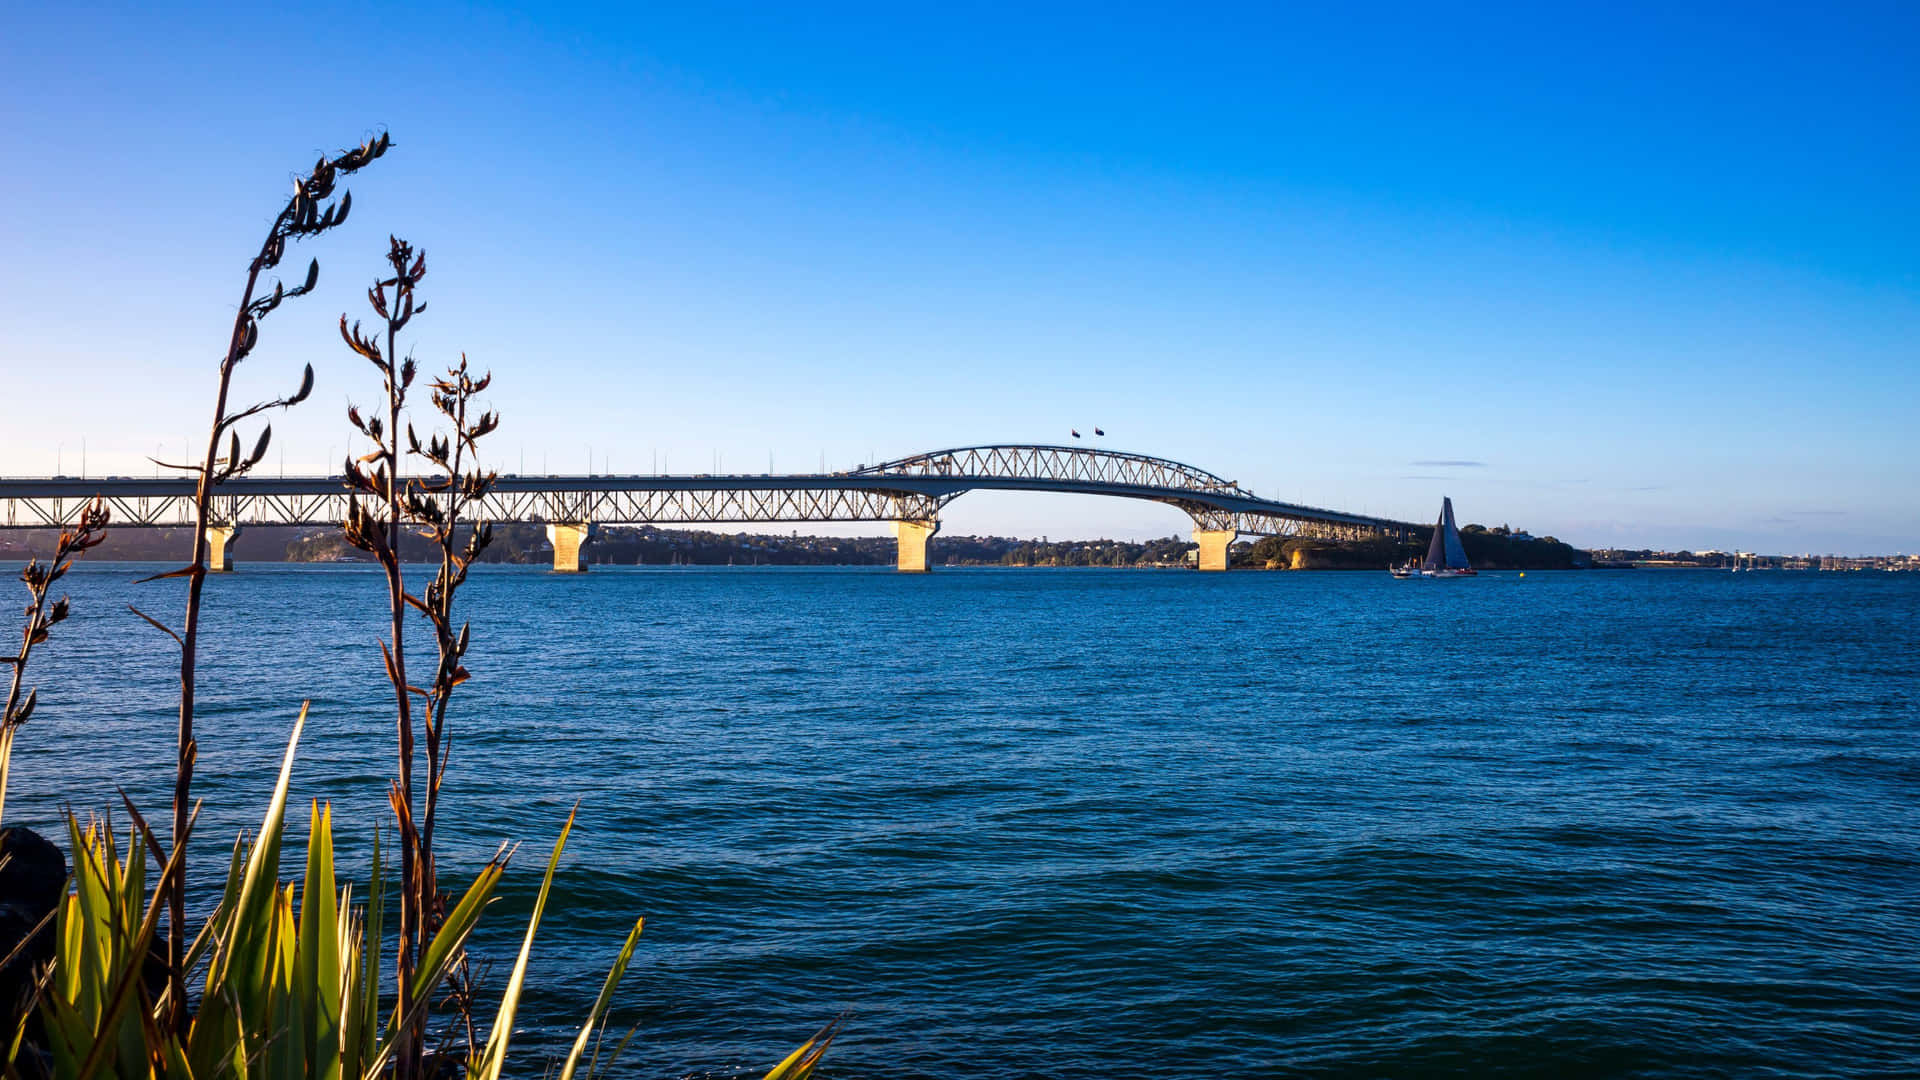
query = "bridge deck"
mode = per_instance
[
  {"x": 745, "y": 498},
  {"x": 909, "y": 489}
]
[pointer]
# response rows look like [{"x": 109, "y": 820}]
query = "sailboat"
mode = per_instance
[{"x": 1446, "y": 558}]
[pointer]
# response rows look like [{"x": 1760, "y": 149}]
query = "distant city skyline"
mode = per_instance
[{"x": 1632, "y": 279}]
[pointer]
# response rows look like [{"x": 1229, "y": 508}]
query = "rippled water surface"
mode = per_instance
[{"x": 1090, "y": 823}]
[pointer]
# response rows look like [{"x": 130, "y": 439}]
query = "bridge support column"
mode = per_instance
[
  {"x": 913, "y": 537},
  {"x": 1214, "y": 545},
  {"x": 220, "y": 539},
  {"x": 569, "y": 540}
]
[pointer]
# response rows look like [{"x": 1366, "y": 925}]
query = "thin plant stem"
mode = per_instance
[
  {"x": 87, "y": 533},
  {"x": 301, "y": 217}
]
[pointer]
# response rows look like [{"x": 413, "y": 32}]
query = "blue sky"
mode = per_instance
[{"x": 1654, "y": 274}]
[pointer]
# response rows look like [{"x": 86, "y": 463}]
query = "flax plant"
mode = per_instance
[
  {"x": 439, "y": 504},
  {"x": 289, "y": 971},
  {"x": 307, "y": 213},
  {"x": 377, "y": 530},
  {"x": 41, "y": 618},
  {"x": 37, "y": 626}
]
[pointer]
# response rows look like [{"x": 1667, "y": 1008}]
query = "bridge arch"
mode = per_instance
[
  {"x": 1068, "y": 464},
  {"x": 1215, "y": 504}
]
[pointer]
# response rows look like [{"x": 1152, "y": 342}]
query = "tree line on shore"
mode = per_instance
[
  {"x": 1493, "y": 549},
  {"x": 1498, "y": 548}
]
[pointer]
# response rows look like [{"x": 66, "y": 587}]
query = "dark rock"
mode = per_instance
[{"x": 33, "y": 880}]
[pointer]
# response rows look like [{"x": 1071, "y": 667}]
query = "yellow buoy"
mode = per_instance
[{"x": 1523, "y": 573}]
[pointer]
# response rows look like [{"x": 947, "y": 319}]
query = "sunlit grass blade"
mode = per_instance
[
  {"x": 6, "y": 766},
  {"x": 236, "y": 870},
  {"x": 370, "y": 973},
  {"x": 800, "y": 1064},
  {"x": 442, "y": 953},
  {"x": 597, "y": 1015},
  {"x": 236, "y": 989},
  {"x": 596, "y": 1068},
  {"x": 92, "y": 937},
  {"x": 444, "y": 950},
  {"x": 252, "y": 922},
  {"x": 125, "y": 981},
  {"x": 494, "y": 1057},
  {"x": 352, "y": 933},
  {"x": 318, "y": 970},
  {"x": 176, "y": 1060}
]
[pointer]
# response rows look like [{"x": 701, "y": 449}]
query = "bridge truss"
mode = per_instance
[
  {"x": 571, "y": 502},
  {"x": 913, "y": 489},
  {"x": 1058, "y": 464}
]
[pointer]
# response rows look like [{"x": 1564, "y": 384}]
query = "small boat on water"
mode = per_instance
[{"x": 1446, "y": 558}]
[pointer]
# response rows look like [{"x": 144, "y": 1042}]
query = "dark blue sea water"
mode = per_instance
[{"x": 1083, "y": 823}]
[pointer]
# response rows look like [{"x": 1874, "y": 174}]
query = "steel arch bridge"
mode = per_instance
[
  {"x": 1215, "y": 504},
  {"x": 908, "y": 492}
]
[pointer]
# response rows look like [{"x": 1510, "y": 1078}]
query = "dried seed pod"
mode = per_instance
[{"x": 306, "y": 387}]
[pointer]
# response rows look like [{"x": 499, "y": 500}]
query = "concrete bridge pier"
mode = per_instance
[
  {"x": 220, "y": 539},
  {"x": 913, "y": 537},
  {"x": 569, "y": 540},
  {"x": 1214, "y": 545}
]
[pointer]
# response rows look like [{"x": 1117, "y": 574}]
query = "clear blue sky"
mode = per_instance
[{"x": 1655, "y": 274}]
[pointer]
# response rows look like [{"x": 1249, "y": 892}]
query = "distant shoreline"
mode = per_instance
[{"x": 1487, "y": 549}]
